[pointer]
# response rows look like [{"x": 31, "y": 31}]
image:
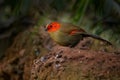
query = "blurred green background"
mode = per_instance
[{"x": 100, "y": 17}]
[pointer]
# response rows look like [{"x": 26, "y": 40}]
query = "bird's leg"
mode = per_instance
[{"x": 71, "y": 46}]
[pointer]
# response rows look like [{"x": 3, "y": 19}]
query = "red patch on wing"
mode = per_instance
[
  {"x": 54, "y": 26},
  {"x": 75, "y": 31}
]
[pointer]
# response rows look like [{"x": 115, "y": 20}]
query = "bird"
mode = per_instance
[{"x": 67, "y": 34}]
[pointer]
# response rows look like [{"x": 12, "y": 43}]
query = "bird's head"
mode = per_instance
[{"x": 52, "y": 27}]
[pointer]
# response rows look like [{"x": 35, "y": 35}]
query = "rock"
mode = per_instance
[{"x": 76, "y": 64}]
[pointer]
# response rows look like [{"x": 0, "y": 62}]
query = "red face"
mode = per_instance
[{"x": 54, "y": 26}]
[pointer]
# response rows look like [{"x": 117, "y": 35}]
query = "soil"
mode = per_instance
[{"x": 35, "y": 56}]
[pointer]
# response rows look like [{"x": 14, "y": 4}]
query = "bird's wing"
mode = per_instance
[{"x": 76, "y": 31}]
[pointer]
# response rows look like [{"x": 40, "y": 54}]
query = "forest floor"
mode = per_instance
[{"x": 34, "y": 56}]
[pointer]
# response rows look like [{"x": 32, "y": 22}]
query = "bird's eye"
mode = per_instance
[{"x": 50, "y": 26}]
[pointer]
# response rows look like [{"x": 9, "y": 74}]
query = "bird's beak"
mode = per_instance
[{"x": 45, "y": 27}]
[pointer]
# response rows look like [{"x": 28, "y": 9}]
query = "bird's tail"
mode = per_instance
[{"x": 96, "y": 37}]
